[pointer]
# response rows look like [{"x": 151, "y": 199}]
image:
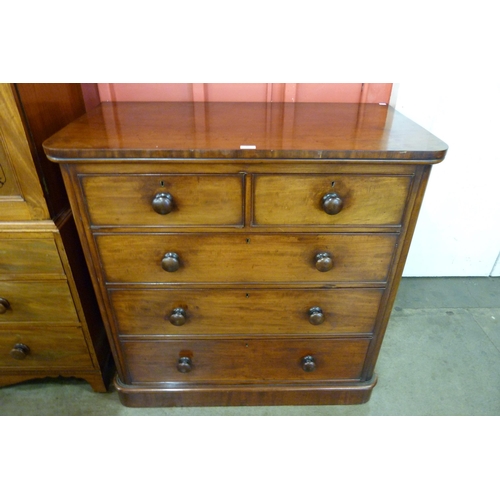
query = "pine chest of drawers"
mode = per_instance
[{"x": 245, "y": 253}]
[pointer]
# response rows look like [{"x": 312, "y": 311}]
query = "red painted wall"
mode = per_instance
[{"x": 252, "y": 92}]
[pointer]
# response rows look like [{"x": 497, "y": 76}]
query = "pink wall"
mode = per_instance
[{"x": 250, "y": 92}]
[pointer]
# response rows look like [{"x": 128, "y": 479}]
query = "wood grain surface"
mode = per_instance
[
  {"x": 219, "y": 130},
  {"x": 249, "y": 312},
  {"x": 245, "y": 258},
  {"x": 233, "y": 361}
]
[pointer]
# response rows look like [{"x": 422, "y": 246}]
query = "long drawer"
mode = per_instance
[
  {"x": 252, "y": 311},
  {"x": 287, "y": 200},
  {"x": 249, "y": 258},
  {"x": 244, "y": 361},
  {"x": 192, "y": 200},
  {"x": 48, "y": 348},
  {"x": 44, "y": 301}
]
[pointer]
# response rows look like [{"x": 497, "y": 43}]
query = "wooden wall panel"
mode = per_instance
[{"x": 249, "y": 92}]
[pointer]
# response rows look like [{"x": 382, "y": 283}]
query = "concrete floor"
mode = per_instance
[{"x": 441, "y": 356}]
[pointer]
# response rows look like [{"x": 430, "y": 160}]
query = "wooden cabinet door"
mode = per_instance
[{"x": 21, "y": 196}]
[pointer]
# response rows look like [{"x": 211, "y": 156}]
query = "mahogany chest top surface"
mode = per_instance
[{"x": 245, "y": 130}]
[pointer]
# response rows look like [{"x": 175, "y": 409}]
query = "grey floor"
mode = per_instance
[{"x": 441, "y": 356}]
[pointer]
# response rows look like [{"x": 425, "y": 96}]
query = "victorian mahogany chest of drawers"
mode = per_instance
[{"x": 245, "y": 253}]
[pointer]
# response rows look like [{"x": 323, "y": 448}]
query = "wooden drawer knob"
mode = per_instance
[
  {"x": 19, "y": 351},
  {"x": 170, "y": 262},
  {"x": 332, "y": 203},
  {"x": 163, "y": 203},
  {"x": 324, "y": 262},
  {"x": 184, "y": 364},
  {"x": 308, "y": 363},
  {"x": 178, "y": 317},
  {"x": 316, "y": 316},
  {"x": 4, "y": 305}
]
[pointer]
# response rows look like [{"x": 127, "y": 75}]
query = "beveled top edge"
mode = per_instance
[{"x": 128, "y": 156}]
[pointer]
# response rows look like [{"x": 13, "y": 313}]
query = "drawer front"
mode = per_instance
[
  {"x": 50, "y": 347},
  {"x": 29, "y": 257},
  {"x": 49, "y": 301},
  {"x": 288, "y": 200},
  {"x": 253, "y": 311},
  {"x": 244, "y": 360},
  {"x": 251, "y": 258},
  {"x": 196, "y": 200}
]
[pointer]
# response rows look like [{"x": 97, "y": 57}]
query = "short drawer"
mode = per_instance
[
  {"x": 47, "y": 348},
  {"x": 23, "y": 257},
  {"x": 47, "y": 301},
  {"x": 250, "y": 258},
  {"x": 251, "y": 311},
  {"x": 288, "y": 200},
  {"x": 244, "y": 360},
  {"x": 137, "y": 200}
]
